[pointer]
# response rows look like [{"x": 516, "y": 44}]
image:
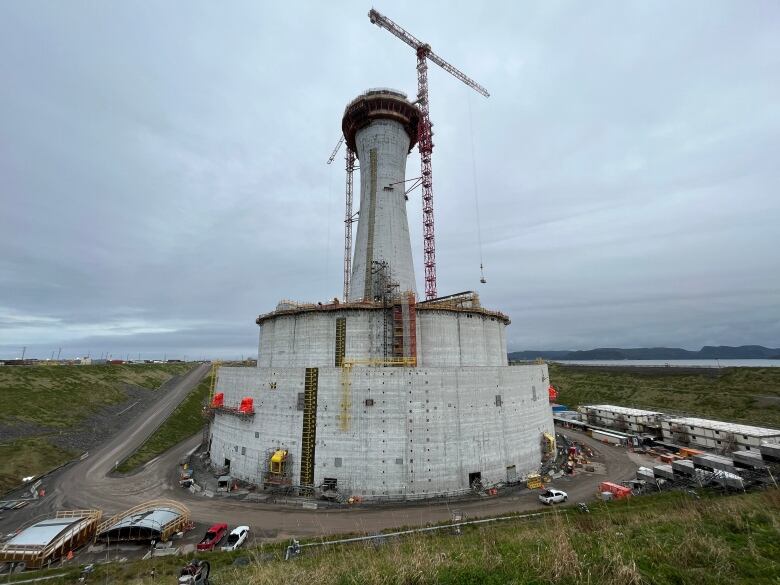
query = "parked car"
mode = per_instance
[
  {"x": 236, "y": 538},
  {"x": 550, "y": 497},
  {"x": 213, "y": 536}
]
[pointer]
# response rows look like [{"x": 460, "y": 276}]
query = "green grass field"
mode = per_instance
[
  {"x": 25, "y": 457},
  {"x": 750, "y": 395},
  {"x": 185, "y": 421},
  {"x": 61, "y": 396},
  {"x": 666, "y": 539}
]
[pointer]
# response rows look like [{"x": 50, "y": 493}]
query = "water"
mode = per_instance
[{"x": 677, "y": 363}]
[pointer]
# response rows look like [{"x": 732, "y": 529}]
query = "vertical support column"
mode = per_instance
[
  {"x": 367, "y": 287},
  {"x": 341, "y": 340},
  {"x": 309, "y": 431},
  {"x": 348, "y": 220}
]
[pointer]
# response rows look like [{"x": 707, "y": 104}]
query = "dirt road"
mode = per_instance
[{"x": 87, "y": 484}]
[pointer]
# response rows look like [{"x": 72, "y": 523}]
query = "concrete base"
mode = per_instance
[{"x": 411, "y": 432}]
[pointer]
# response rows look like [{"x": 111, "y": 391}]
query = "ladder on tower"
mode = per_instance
[
  {"x": 405, "y": 329},
  {"x": 215, "y": 365},
  {"x": 309, "y": 431},
  {"x": 345, "y": 406}
]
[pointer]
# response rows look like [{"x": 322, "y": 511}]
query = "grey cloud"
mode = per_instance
[{"x": 162, "y": 168}]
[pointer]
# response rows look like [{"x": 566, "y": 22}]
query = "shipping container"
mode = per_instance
[{"x": 618, "y": 491}]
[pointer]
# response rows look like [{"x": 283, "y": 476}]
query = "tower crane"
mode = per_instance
[
  {"x": 349, "y": 217},
  {"x": 336, "y": 150},
  {"x": 424, "y": 134}
]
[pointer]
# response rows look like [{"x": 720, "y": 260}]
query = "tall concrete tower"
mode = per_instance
[
  {"x": 380, "y": 126},
  {"x": 382, "y": 396}
]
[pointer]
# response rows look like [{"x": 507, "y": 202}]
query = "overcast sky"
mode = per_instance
[{"x": 163, "y": 176}]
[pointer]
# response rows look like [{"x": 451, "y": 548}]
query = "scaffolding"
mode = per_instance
[
  {"x": 213, "y": 386},
  {"x": 405, "y": 328},
  {"x": 309, "y": 432}
]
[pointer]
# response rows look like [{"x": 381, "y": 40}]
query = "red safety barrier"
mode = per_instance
[
  {"x": 247, "y": 405},
  {"x": 218, "y": 401},
  {"x": 553, "y": 393}
]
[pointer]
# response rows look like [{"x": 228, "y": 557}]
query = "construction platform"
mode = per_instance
[
  {"x": 155, "y": 520},
  {"x": 43, "y": 541}
]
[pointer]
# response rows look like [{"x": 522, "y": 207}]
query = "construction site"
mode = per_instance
[
  {"x": 383, "y": 412},
  {"x": 379, "y": 394}
]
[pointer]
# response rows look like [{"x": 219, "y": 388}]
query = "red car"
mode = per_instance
[{"x": 213, "y": 536}]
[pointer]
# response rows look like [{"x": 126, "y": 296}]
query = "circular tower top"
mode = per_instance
[{"x": 380, "y": 103}]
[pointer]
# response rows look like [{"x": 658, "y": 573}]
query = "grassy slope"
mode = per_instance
[
  {"x": 61, "y": 396},
  {"x": 748, "y": 394},
  {"x": 664, "y": 539},
  {"x": 185, "y": 421},
  {"x": 25, "y": 457}
]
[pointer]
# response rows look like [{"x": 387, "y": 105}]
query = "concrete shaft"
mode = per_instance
[
  {"x": 383, "y": 229},
  {"x": 380, "y": 126}
]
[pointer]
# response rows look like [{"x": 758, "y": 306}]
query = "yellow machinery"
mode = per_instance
[
  {"x": 549, "y": 444},
  {"x": 277, "y": 473},
  {"x": 278, "y": 459}
]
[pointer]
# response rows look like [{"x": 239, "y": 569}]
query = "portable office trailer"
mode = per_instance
[
  {"x": 607, "y": 437},
  {"x": 622, "y": 418},
  {"x": 716, "y": 435},
  {"x": 770, "y": 452},
  {"x": 663, "y": 471},
  {"x": 716, "y": 463},
  {"x": 646, "y": 474},
  {"x": 748, "y": 460},
  {"x": 683, "y": 467}
]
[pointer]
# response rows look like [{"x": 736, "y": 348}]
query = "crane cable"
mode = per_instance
[{"x": 476, "y": 194}]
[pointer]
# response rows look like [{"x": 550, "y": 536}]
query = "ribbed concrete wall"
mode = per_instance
[
  {"x": 382, "y": 206},
  {"x": 427, "y": 430},
  {"x": 445, "y": 338},
  {"x": 460, "y": 339}
]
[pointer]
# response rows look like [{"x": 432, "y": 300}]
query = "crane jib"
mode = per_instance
[{"x": 424, "y": 138}]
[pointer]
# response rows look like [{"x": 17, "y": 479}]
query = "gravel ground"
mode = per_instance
[{"x": 21, "y": 430}]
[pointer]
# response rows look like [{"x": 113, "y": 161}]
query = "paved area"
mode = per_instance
[{"x": 89, "y": 484}]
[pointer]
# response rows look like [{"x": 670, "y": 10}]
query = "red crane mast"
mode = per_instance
[{"x": 425, "y": 135}]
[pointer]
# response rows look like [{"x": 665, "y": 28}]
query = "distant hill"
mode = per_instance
[{"x": 708, "y": 352}]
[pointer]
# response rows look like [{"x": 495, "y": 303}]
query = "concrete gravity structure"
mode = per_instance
[{"x": 382, "y": 396}]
